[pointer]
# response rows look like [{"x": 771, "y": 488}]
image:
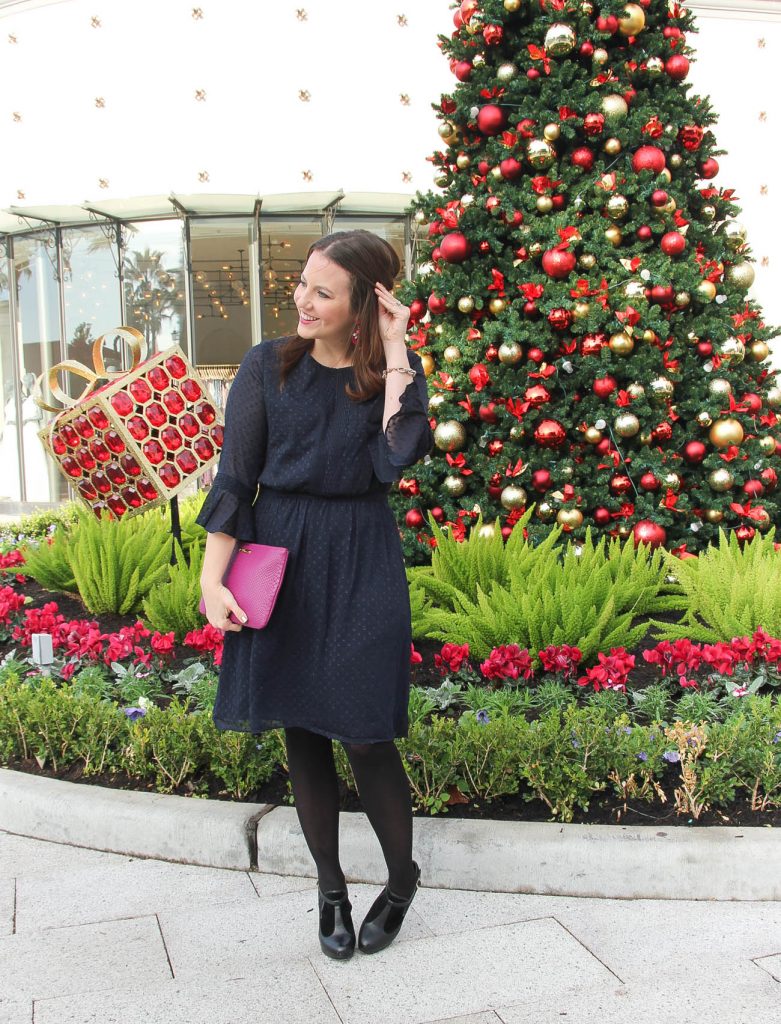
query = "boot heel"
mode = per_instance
[{"x": 335, "y": 929}]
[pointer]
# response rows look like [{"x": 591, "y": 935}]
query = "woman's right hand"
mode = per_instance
[{"x": 220, "y": 602}]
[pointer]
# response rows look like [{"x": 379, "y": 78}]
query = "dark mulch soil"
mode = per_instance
[{"x": 605, "y": 809}]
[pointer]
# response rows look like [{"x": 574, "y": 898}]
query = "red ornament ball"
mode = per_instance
[
  {"x": 462, "y": 69},
  {"x": 558, "y": 263},
  {"x": 643, "y": 232},
  {"x": 560, "y": 319},
  {"x": 662, "y": 432},
  {"x": 673, "y": 243},
  {"x": 492, "y": 353},
  {"x": 704, "y": 349},
  {"x": 530, "y": 308},
  {"x": 536, "y": 355},
  {"x": 487, "y": 413},
  {"x": 409, "y": 487},
  {"x": 659, "y": 197},
  {"x": 491, "y": 119},
  {"x": 769, "y": 478},
  {"x": 649, "y": 482},
  {"x": 604, "y": 386},
  {"x": 753, "y": 488},
  {"x": 549, "y": 434},
  {"x": 437, "y": 514},
  {"x": 753, "y": 401},
  {"x": 536, "y": 395},
  {"x": 455, "y": 247},
  {"x": 649, "y": 158},
  {"x": 620, "y": 484},
  {"x": 694, "y": 451},
  {"x": 647, "y": 532},
  {"x": 414, "y": 519},
  {"x": 506, "y": 532},
  {"x": 744, "y": 533},
  {"x": 417, "y": 309},
  {"x": 601, "y": 516},
  {"x": 437, "y": 303},
  {"x": 607, "y": 23},
  {"x": 532, "y": 73},
  {"x": 677, "y": 67},
  {"x": 709, "y": 168},
  {"x": 484, "y": 246},
  {"x": 582, "y": 157},
  {"x": 495, "y": 447},
  {"x": 541, "y": 480},
  {"x": 511, "y": 168},
  {"x": 586, "y": 49},
  {"x": 662, "y": 293}
]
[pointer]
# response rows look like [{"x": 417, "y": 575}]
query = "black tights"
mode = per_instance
[{"x": 385, "y": 794}]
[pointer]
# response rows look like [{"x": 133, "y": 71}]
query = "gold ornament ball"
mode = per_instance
[
  {"x": 720, "y": 480},
  {"x": 454, "y": 486},
  {"x": 613, "y": 235},
  {"x": 645, "y": 439},
  {"x": 632, "y": 21},
  {"x": 544, "y": 204},
  {"x": 540, "y": 153},
  {"x": 704, "y": 419},
  {"x": 560, "y": 40},
  {"x": 450, "y": 436},
  {"x": 682, "y": 299},
  {"x": 452, "y": 354},
  {"x": 600, "y": 55},
  {"x": 612, "y": 147},
  {"x": 627, "y": 424},
  {"x": 428, "y": 363},
  {"x": 708, "y": 213},
  {"x": 545, "y": 511},
  {"x": 720, "y": 387},
  {"x": 587, "y": 261},
  {"x": 706, "y": 291},
  {"x": 447, "y": 130},
  {"x": 624, "y": 530},
  {"x": 767, "y": 445},
  {"x": 761, "y": 518},
  {"x": 654, "y": 67},
  {"x": 487, "y": 531},
  {"x": 497, "y": 306},
  {"x": 570, "y": 517},
  {"x": 513, "y": 496},
  {"x": 535, "y": 249},
  {"x": 421, "y": 217},
  {"x": 478, "y": 60},
  {"x": 735, "y": 235},
  {"x": 615, "y": 108},
  {"x": 466, "y": 304},
  {"x": 441, "y": 180},
  {"x": 635, "y": 390},
  {"x": 517, "y": 432},
  {"x": 740, "y": 275},
  {"x": 592, "y": 435},
  {"x": 617, "y": 207},
  {"x": 551, "y": 132},
  {"x": 665, "y": 175},
  {"x": 462, "y": 162},
  {"x": 773, "y": 397},
  {"x": 673, "y": 481},
  {"x": 676, "y": 161},
  {"x": 510, "y": 353},
  {"x": 621, "y": 344},
  {"x": 506, "y": 72},
  {"x": 759, "y": 350},
  {"x": 436, "y": 401},
  {"x": 581, "y": 310},
  {"x": 587, "y": 8},
  {"x": 439, "y": 329},
  {"x": 496, "y": 173},
  {"x": 726, "y": 432},
  {"x": 661, "y": 390},
  {"x": 713, "y": 515},
  {"x": 512, "y": 6},
  {"x": 732, "y": 351},
  {"x": 566, "y": 472},
  {"x": 634, "y": 289}
]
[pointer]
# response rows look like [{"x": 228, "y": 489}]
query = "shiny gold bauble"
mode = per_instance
[
  {"x": 673, "y": 481},
  {"x": 510, "y": 353},
  {"x": 632, "y": 21},
  {"x": 621, "y": 343},
  {"x": 592, "y": 435},
  {"x": 513, "y": 496},
  {"x": 436, "y": 401},
  {"x": 708, "y": 213},
  {"x": 421, "y": 217},
  {"x": 635, "y": 390},
  {"x": 545, "y": 511},
  {"x": 612, "y": 147},
  {"x": 487, "y": 531},
  {"x": 675, "y": 160},
  {"x": 428, "y": 363},
  {"x": 758, "y": 350},
  {"x": 732, "y": 351},
  {"x": 720, "y": 480},
  {"x": 634, "y": 289},
  {"x": 617, "y": 207},
  {"x": 587, "y": 261},
  {"x": 478, "y": 60},
  {"x": 535, "y": 248},
  {"x": 726, "y": 432},
  {"x": 512, "y": 6},
  {"x": 506, "y": 72},
  {"x": 463, "y": 161},
  {"x": 665, "y": 176},
  {"x": 466, "y": 304},
  {"x": 467, "y": 199},
  {"x": 645, "y": 439},
  {"x": 450, "y": 436},
  {"x": 720, "y": 386},
  {"x": 649, "y": 336},
  {"x": 570, "y": 518},
  {"x": 551, "y": 132},
  {"x": 496, "y": 173},
  {"x": 560, "y": 40},
  {"x": 704, "y": 419},
  {"x": 447, "y": 130},
  {"x": 713, "y": 515},
  {"x": 600, "y": 55},
  {"x": 706, "y": 291},
  {"x": 581, "y": 310},
  {"x": 497, "y": 305},
  {"x": 767, "y": 445},
  {"x": 661, "y": 390},
  {"x": 740, "y": 275},
  {"x": 654, "y": 66},
  {"x": 773, "y": 397},
  {"x": 614, "y": 107},
  {"x": 682, "y": 299},
  {"x": 442, "y": 179},
  {"x": 762, "y": 518},
  {"x": 566, "y": 472},
  {"x": 624, "y": 530},
  {"x": 735, "y": 235},
  {"x": 454, "y": 486},
  {"x": 517, "y": 432},
  {"x": 613, "y": 235},
  {"x": 452, "y": 354},
  {"x": 540, "y": 153},
  {"x": 544, "y": 204},
  {"x": 627, "y": 424}
]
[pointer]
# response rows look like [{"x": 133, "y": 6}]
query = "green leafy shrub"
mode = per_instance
[
  {"x": 40, "y": 524},
  {"x": 731, "y": 590},
  {"x": 166, "y": 745},
  {"x": 173, "y": 607},
  {"x": 48, "y": 562},
  {"x": 240, "y": 760}
]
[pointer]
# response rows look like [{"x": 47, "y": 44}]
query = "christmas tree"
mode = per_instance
[{"x": 581, "y": 308}]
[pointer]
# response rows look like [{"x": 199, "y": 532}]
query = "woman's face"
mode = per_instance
[{"x": 323, "y": 301}]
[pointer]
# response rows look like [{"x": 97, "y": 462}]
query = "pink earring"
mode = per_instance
[{"x": 355, "y": 336}]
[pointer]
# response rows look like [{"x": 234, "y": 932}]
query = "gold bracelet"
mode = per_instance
[{"x": 401, "y": 369}]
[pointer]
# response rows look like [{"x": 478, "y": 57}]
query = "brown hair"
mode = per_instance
[{"x": 367, "y": 258}]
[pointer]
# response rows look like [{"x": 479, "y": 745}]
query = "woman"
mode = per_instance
[{"x": 321, "y": 424}]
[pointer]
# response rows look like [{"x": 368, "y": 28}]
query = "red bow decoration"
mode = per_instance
[
  {"x": 629, "y": 316},
  {"x": 739, "y": 319},
  {"x": 459, "y": 463},
  {"x": 680, "y": 220},
  {"x": 419, "y": 337},
  {"x": 542, "y": 184},
  {"x": 509, "y": 139},
  {"x": 566, "y": 112},
  {"x": 467, "y": 404},
  {"x": 709, "y": 192},
  {"x": 624, "y": 398},
  {"x": 654, "y": 127},
  {"x": 615, "y": 460},
  {"x": 445, "y": 382},
  {"x": 451, "y": 213},
  {"x": 627, "y": 509},
  {"x": 491, "y": 94},
  {"x": 731, "y": 453},
  {"x": 538, "y": 53},
  {"x": 498, "y": 282},
  {"x": 515, "y": 470},
  {"x": 545, "y": 371},
  {"x": 516, "y": 407},
  {"x": 669, "y": 363},
  {"x": 670, "y": 499},
  {"x": 479, "y": 376},
  {"x": 473, "y": 334},
  {"x": 735, "y": 406},
  {"x": 746, "y": 511},
  {"x": 769, "y": 420},
  {"x": 568, "y": 347},
  {"x": 531, "y": 291},
  {"x": 680, "y": 550}
]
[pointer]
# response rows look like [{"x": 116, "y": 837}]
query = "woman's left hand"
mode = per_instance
[{"x": 393, "y": 315}]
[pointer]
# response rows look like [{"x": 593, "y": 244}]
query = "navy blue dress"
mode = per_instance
[{"x": 334, "y": 657}]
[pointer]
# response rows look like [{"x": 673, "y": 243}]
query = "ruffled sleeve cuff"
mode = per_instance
[
  {"x": 407, "y": 436},
  {"x": 228, "y": 509}
]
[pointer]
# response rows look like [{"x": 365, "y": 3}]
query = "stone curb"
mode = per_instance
[{"x": 547, "y": 858}]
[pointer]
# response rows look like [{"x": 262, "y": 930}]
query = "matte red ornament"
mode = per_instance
[
  {"x": 604, "y": 386},
  {"x": 491, "y": 119},
  {"x": 550, "y": 433},
  {"x": 532, "y": 73},
  {"x": 694, "y": 451},
  {"x": 462, "y": 70},
  {"x": 648, "y": 532},
  {"x": 530, "y": 308},
  {"x": 417, "y": 310},
  {"x": 455, "y": 247},
  {"x": 753, "y": 401},
  {"x": 649, "y": 482},
  {"x": 769, "y": 478},
  {"x": 541, "y": 480},
  {"x": 704, "y": 348},
  {"x": 558, "y": 263},
  {"x": 511, "y": 168},
  {"x": 582, "y": 157},
  {"x": 414, "y": 519},
  {"x": 677, "y": 67},
  {"x": 437, "y": 304},
  {"x": 643, "y": 232},
  {"x": 437, "y": 514},
  {"x": 673, "y": 243},
  {"x": 487, "y": 413},
  {"x": 662, "y": 293},
  {"x": 709, "y": 168},
  {"x": 753, "y": 488},
  {"x": 536, "y": 355},
  {"x": 649, "y": 158},
  {"x": 601, "y": 516},
  {"x": 659, "y": 197}
]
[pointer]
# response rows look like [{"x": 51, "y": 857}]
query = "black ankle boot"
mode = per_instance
[
  {"x": 337, "y": 934},
  {"x": 386, "y": 915}
]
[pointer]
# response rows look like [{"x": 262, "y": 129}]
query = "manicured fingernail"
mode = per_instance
[{"x": 244, "y": 618}]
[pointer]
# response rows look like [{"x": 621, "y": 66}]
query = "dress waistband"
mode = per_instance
[{"x": 367, "y": 496}]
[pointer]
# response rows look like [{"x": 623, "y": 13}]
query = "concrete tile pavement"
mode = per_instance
[{"x": 96, "y": 938}]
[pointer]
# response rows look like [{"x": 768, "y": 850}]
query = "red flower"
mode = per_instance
[
  {"x": 507, "y": 662},
  {"x": 163, "y": 643},
  {"x": 612, "y": 671},
  {"x": 451, "y": 657},
  {"x": 10, "y": 559},
  {"x": 563, "y": 659},
  {"x": 415, "y": 657},
  {"x": 10, "y": 603},
  {"x": 720, "y": 657}
]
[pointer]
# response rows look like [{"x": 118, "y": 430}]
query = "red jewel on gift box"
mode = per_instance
[
  {"x": 140, "y": 390},
  {"x": 130, "y": 466},
  {"x": 87, "y": 491},
  {"x": 156, "y": 414},
  {"x": 189, "y": 425},
  {"x": 69, "y": 436},
  {"x": 97, "y": 417},
  {"x": 146, "y": 489},
  {"x": 154, "y": 452},
  {"x": 122, "y": 403},
  {"x": 205, "y": 413},
  {"x": 100, "y": 451},
  {"x": 71, "y": 467},
  {"x": 176, "y": 367},
  {"x": 115, "y": 442},
  {"x": 171, "y": 438},
  {"x": 173, "y": 402},
  {"x": 138, "y": 427},
  {"x": 58, "y": 445},
  {"x": 83, "y": 426},
  {"x": 187, "y": 462},
  {"x": 115, "y": 474},
  {"x": 203, "y": 449},
  {"x": 85, "y": 458},
  {"x": 102, "y": 482},
  {"x": 217, "y": 434},
  {"x": 191, "y": 389},
  {"x": 169, "y": 475},
  {"x": 131, "y": 497},
  {"x": 158, "y": 378},
  {"x": 117, "y": 505}
]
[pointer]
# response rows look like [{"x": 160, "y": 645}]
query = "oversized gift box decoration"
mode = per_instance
[{"x": 137, "y": 440}]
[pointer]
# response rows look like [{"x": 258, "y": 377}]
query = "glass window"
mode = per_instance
[
  {"x": 10, "y": 482},
  {"x": 284, "y": 244},
  {"x": 39, "y": 346},
  {"x": 391, "y": 230},
  {"x": 153, "y": 282},
  {"x": 90, "y": 283},
  {"x": 222, "y": 283}
]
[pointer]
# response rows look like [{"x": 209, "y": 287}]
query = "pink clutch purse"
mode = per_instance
[{"x": 254, "y": 576}]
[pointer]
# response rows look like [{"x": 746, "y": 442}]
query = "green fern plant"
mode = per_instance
[
  {"x": 174, "y": 606},
  {"x": 47, "y": 562},
  {"x": 730, "y": 591}
]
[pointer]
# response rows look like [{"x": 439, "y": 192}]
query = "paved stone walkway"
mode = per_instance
[{"x": 97, "y": 938}]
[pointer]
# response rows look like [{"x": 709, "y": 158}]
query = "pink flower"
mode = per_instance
[
  {"x": 415, "y": 657},
  {"x": 451, "y": 657},
  {"x": 507, "y": 662},
  {"x": 562, "y": 659}
]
